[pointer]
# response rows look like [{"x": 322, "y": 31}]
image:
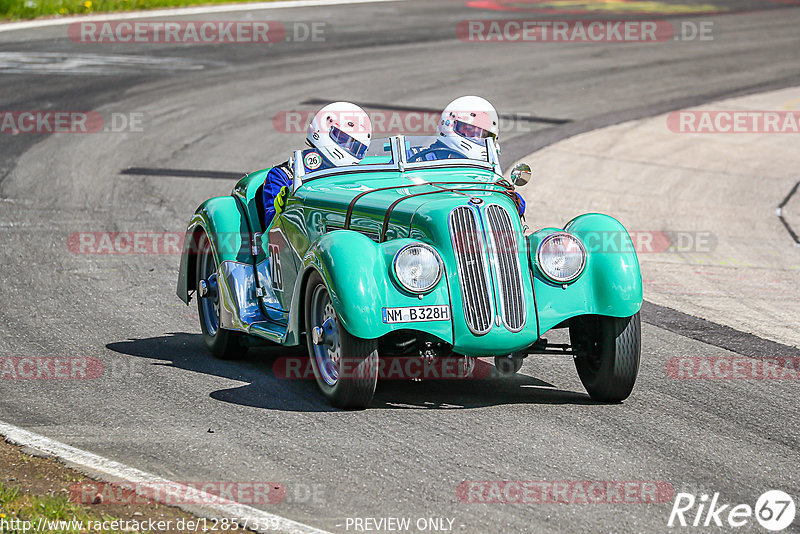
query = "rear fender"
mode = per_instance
[{"x": 225, "y": 223}]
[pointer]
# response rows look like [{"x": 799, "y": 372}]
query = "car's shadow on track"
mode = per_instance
[{"x": 270, "y": 387}]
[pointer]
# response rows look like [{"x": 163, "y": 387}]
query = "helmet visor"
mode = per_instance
[
  {"x": 355, "y": 147},
  {"x": 470, "y": 130}
]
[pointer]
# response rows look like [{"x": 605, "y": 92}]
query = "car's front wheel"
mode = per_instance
[
  {"x": 607, "y": 354},
  {"x": 223, "y": 344},
  {"x": 346, "y": 367}
]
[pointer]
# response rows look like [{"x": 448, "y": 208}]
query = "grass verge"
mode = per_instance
[
  {"x": 35, "y": 496},
  {"x": 31, "y": 9}
]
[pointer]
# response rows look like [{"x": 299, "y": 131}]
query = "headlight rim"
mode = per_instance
[
  {"x": 548, "y": 275},
  {"x": 439, "y": 275}
]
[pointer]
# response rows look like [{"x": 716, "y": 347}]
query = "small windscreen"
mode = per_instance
[
  {"x": 433, "y": 148},
  {"x": 378, "y": 153}
]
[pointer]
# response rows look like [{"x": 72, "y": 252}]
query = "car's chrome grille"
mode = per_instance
[
  {"x": 505, "y": 259},
  {"x": 473, "y": 274}
]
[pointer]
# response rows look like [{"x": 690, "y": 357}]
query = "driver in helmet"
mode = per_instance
[
  {"x": 339, "y": 134},
  {"x": 461, "y": 130},
  {"x": 465, "y": 123}
]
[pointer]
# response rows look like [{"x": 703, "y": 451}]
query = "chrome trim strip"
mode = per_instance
[
  {"x": 299, "y": 170},
  {"x": 401, "y": 153},
  {"x": 468, "y": 244},
  {"x": 494, "y": 156},
  {"x": 505, "y": 260}
]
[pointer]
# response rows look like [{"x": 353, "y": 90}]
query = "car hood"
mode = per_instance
[{"x": 416, "y": 202}]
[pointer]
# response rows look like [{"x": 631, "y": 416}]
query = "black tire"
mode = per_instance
[
  {"x": 359, "y": 357},
  {"x": 223, "y": 344},
  {"x": 608, "y": 352}
]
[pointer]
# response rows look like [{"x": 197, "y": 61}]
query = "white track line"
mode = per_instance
[
  {"x": 117, "y": 472},
  {"x": 201, "y": 10}
]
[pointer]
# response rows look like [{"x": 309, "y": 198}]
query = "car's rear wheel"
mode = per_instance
[
  {"x": 346, "y": 367},
  {"x": 607, "y": 354},
  {"x": 223, "y": 344}
]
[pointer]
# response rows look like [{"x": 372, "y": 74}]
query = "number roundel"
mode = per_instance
[{"x": 312, "y": 161}]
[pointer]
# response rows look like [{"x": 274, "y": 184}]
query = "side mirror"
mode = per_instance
[{"x": 521, "y": 174}]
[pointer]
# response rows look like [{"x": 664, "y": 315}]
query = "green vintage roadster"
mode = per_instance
[{"x": 416, "y": 252}]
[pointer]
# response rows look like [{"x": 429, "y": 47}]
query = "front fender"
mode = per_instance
[
  {"x": 611, "y": 283},
  {"x": 356, "y": 271},
  {"x": 225, "y": 223}
]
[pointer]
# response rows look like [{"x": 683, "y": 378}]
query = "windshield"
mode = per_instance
[
  {"x": 433, "y": 148},
  {"x": 420, "y": 151},
  {"x": 379, "y": 153}
]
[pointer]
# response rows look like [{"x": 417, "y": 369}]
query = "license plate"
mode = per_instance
[{"x": 416, "y": 314}]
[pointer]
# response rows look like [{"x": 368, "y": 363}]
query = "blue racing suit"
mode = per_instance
[
  {"x": 281, "y": 176},
  {"x": 520, "y": 204},
  {"x": 278, "y": 177}
]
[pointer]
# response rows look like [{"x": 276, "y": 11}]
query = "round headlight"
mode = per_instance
[
  {"x": 418, "y": 267},
  {"x": 561, "y": 257}
]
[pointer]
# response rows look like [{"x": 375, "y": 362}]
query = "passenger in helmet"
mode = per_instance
[{"x": 339, "y": 133}]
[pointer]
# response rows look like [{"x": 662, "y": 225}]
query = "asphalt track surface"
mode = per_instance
[{"x": 165, "y": 406}]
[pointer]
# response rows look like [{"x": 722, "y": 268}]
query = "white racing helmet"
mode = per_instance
[
  {"x": 341, "y": 131},
  {"x": 465, "y": 122}
]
